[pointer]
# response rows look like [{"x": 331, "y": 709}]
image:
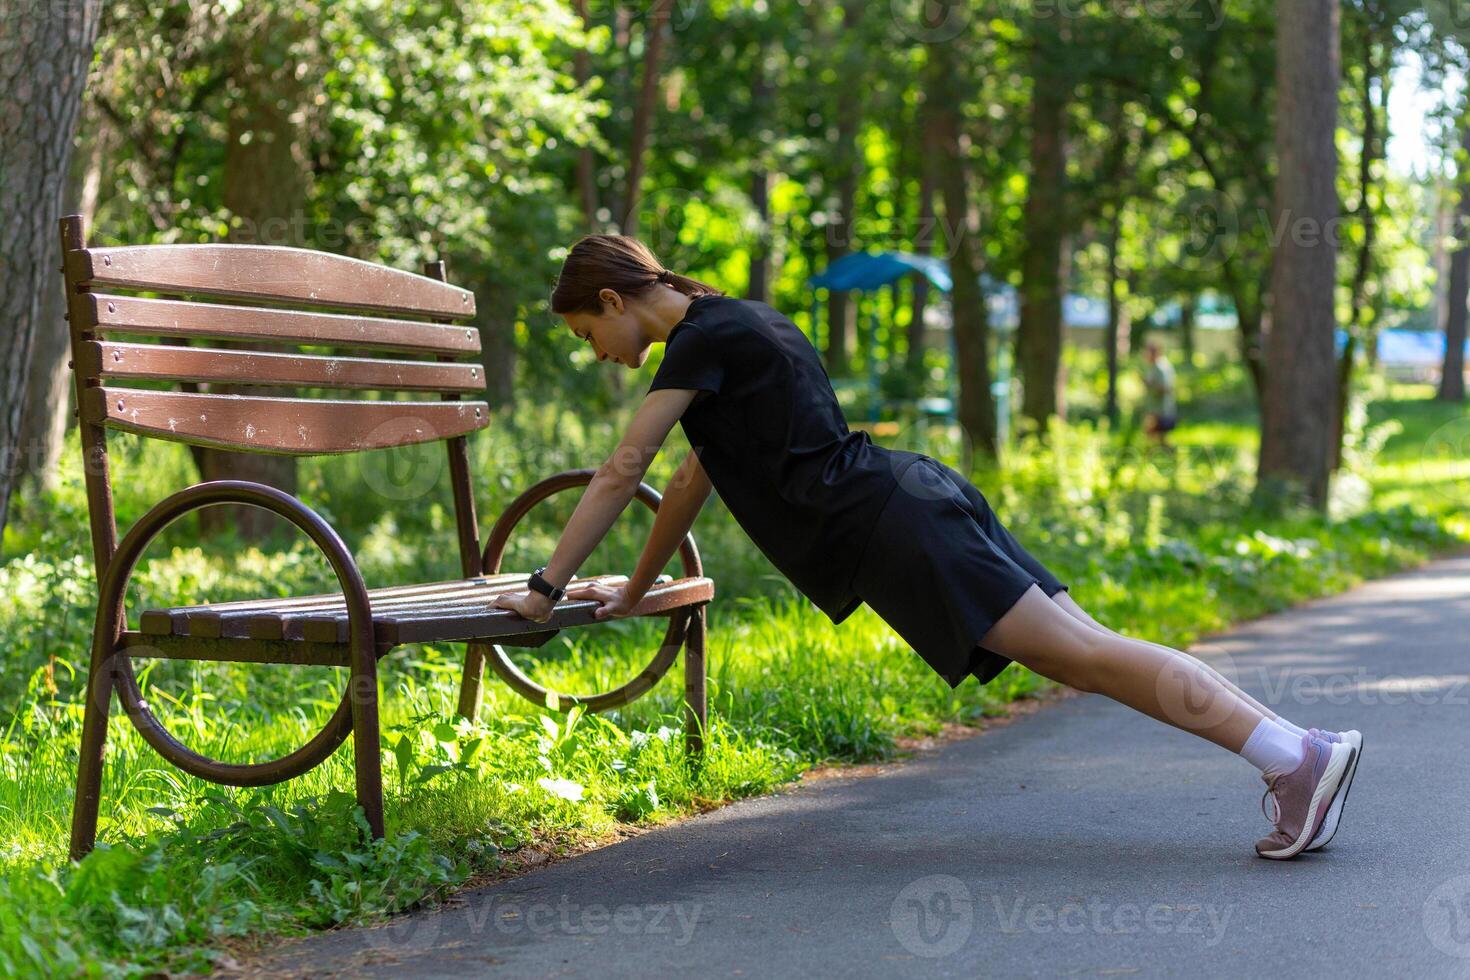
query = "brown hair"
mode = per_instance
[{"x": 617, "y": 262}]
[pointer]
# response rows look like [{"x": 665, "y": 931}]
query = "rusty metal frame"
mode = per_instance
[
  {"x": 114, "y": 646},
  {"x": 686, "y": 627}
]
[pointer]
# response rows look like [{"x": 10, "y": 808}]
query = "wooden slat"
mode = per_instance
[
  {"x": 179, "y": 318},
  {"x": 477, "y": 621},
  {"x": 326, "y": 623},
  {"x": 237, "y": 651},
  {"x": 176, "y": 620},
  {"x": 661, "y": 600},
  {"x": 450, "y": 614},
  {"x": 267, "y": 620},
  {"x": 288, "y": 426},
  {"x": 263, "y": 272},
  {"x": 164, "y": 362}
]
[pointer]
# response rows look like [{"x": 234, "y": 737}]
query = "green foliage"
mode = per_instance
[{"x": 1153, "y": 543}]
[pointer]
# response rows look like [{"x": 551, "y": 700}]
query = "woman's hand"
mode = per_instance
[
  {"x": 530, "y": 605},
  {"x": 616, "y": 602}
]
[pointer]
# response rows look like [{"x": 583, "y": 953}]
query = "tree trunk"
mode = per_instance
[
  {"x": 1452, "y": 374},
  {"x": 49, "y": 391},
  {"x": 265, "y": 187},
  {"x": 1116, "y": 330},
  {"x": 497, "y": 324},
  {"x": 942, "y": 99},
  {"x": 45, "y": 53},
  {"x": 1039, "y": 334},
  {"x": 1186, "y": 328},
  {"x": 924, "y": 242},
  {"x": 846, "y": 163},
  {"x": 653, "y": 45},
  {"x": 1297, "y": 412},
  {"x": 759, "y": 284},
  {"x": 1359, "y": 326},
  {"x": 586, "y": 160}
]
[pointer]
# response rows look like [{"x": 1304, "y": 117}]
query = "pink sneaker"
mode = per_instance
[
  {"x": 1303, "y": 796},
  {"x": 1354, "y": 738}
]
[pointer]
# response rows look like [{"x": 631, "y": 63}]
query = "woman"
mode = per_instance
[{"x": 849, "y": 521}]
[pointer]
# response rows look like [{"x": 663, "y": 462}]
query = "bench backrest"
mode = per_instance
[
  {"x": 397, "y": 328},
  {"x": 316, "y": 300}
]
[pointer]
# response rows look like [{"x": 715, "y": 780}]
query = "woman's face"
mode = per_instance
[{"x": 615, "y": 335}]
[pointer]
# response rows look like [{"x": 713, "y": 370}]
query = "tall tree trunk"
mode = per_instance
[
  {"x": 1117, "y": 329},
  {"x": 45, "y": 53},
  {"x": 761, "y": 97},
  {"x": 265, "y": 186},
  {"x": 1186, "y": 328},
  {"x": 653, "y": 46},
  {"x": 49, "y": 391},
  {"x": 586, "y": 160},
  {"x": 846, "y": 163},
  {"x": 1297, "y": 413},
  {"x": 925, "y": 240},
  {"x": 1360, "y": 314},
  {"x": 759, "y": 285},
  {"x": 971, "y": 325},
  {"x": 497, "y": 324},
  {"x": 1452, "y": 374},
  {"x": 1039, "y": 334}
]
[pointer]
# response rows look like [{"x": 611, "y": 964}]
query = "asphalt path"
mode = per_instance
[{"x": 1082, "y": 840}]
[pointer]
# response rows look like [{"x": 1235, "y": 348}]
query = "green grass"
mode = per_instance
[{"x": 1158, "y": 544}]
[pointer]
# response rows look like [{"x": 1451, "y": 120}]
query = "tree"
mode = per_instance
[
  {"x": 1452, "y": 376},
  {"x": 1298, "y": 409},
  {"x": 266, "y": 184},
  {"x": 644, "y": 111},
  {"x": 1044, "y": 263},
  {"x": 46, "y": 49},
  {"x": 943, "y": 98}
]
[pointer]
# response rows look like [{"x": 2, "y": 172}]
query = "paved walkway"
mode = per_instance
[{"x": 1084, "y": 840}]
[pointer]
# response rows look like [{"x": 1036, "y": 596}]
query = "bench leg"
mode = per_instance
[
  {"x": 695, "y": 708},
  {"x": 365, "y": 739},
  {"x": 470, "y": 685},
  {"x": 89, "y": 769}
]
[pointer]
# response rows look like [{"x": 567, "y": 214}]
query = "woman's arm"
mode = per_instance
[
  {"x": 681, "y": 504},
  {"x": 606, "y": 497}
]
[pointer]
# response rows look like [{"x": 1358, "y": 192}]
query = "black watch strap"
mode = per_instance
[{"x": 544, "y": 587}]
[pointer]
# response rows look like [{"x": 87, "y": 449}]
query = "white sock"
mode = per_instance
[
  {"x": 1289, "y": 726},
  {"x": 1272, "y": 748}
]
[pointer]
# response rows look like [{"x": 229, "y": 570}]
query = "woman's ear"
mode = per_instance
[{"x": 612, "y": 302}]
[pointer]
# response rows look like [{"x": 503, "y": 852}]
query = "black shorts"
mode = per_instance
[{"x": 941, "y": 569}]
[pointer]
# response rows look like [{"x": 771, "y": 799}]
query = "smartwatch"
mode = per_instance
[{"x": 544, "y": 587}]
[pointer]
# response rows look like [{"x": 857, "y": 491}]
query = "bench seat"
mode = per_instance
[{"x": 453, "y": 610}]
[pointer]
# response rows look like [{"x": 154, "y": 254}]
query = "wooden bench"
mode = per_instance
[{"x": 299, "y": 297}]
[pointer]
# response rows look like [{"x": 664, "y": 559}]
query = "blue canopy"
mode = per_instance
[
  {"x": 1413, "y": 348},
  {"x": 869, "y": 270}
]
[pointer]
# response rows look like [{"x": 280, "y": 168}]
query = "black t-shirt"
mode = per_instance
[{"x": 768, "y": 430}]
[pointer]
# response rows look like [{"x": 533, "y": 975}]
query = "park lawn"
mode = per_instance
[{"x": 1153, "y": 543}]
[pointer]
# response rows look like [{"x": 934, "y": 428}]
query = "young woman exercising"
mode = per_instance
[{"x": 848, "y": 521}]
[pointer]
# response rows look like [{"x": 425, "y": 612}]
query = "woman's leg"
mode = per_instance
[
  {"x": 1164, "y": 684},
  {"x": 1069, "y": 605}
]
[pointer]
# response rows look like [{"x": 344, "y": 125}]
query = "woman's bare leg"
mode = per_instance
[
  {"x": 1162, "y": 683},
  {"x": 1069, "y": 604}
]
